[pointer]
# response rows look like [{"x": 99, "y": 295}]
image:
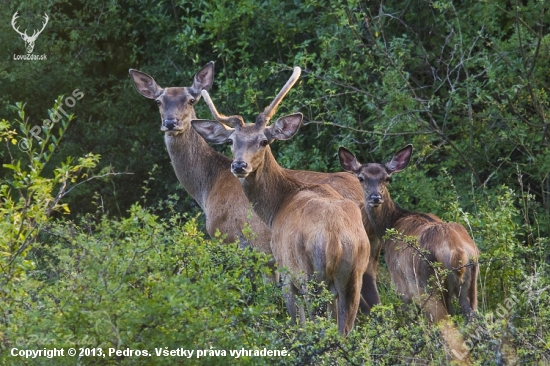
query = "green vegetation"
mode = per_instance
[{"x": 101, "y": 247}]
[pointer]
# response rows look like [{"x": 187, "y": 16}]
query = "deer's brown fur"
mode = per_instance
[
  {"x": 438, "y": 242},
  {"x": 205, "y": 173},
  {"x": 316, "y": 233},
  {"x": 202, "y": 171}
]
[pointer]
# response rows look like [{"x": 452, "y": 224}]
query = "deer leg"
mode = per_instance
[
  {"x": 302, "y": 313},
  {"x": 472, "y": 290},
  {"x": 243, "y": 241},
  {"x": 308, "y": 295},
  {"x": 466, "y": 308},
  {"x": 457, "y": 349},
  {"x": 437, "y": 312},
  {"x": 446, "y": 295},
  {"x": 468, "y": 294},
  {"x": 332, "y": 307},
  {"x": 273, "y": 277},
  {"x": 407, "y": 302},
  {"x": 466, "y": 302},
  {"x": 303, "y": 292},
  {"x": 289, "y": 295},
  {"x": 290, "y": 303},
  {"x": 305, "y": 304},
  {"x": 369, "y": 290},
  {"x": 436, "y": 309},
  {"x": 349, "y": 295}
]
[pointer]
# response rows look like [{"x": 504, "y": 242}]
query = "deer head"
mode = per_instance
[
  {"x": 29, "y": 41},
  {"x": 175, "y": 103},
  {"x": 249, "y": 140},
  {"x": 375, "y": 177}
]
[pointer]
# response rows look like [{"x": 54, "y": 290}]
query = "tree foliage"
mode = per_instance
[{"x": 465, "y": 82}]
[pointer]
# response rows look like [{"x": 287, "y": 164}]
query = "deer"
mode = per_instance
[
  {"x": 201, "y": 170},
  {"x": 29, "y": 41},
  {"x": 205, "y": 175},
  {"x": 316, "y": 233},
  {"x": 448, "y": 244}
]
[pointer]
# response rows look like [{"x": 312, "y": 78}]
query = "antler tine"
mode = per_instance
[
  {"x": 272, "y": 108},
  {"x": 232, "y": 121},
  {"x": 36, "y": 33},
  {"x": 46, "y": 18},
  {"x": 13, "y": 19}
]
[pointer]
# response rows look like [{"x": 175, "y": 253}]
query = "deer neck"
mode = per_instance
[
  {"x": 197, "y": 165},
  {"x": 268, "y": 188},
  {"x": 384, "y": 216}
]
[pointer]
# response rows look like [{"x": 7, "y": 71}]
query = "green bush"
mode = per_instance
[
  {"x": 146, "y": 282},
  {"x": 140, "y": 283},
  {"x": 81, "y": 263}
]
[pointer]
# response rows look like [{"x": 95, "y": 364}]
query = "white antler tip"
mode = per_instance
[{"x": 204, "y": 93}]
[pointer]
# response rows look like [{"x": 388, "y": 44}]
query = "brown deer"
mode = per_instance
[
  {"x": 200, "y": 169},
  {"x": 316, "y": 233},
  {"x": 438, "y": 242},
  {"x": 205, "y": 174}
]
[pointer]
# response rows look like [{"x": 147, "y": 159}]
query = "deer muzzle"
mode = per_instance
[
  {"x": 375, "y": 199},
  {"x": 239, "y": 168},
  {"x": 172, "y": 126},
  {"x": 170, "y": 123}
]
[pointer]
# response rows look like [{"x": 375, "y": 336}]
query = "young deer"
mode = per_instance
[
  {"x": 446, "y": 243},
  {"x": 315, "y": 231},
  {"x": 204, "y": 173},
  {"x": 201, "y": 170}
]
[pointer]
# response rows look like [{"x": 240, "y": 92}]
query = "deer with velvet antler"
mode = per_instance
[{"x": 316, "y": 233}]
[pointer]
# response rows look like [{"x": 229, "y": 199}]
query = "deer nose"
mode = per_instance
[
  {"x": 170, "y": 123},
  {"x": 238, "y": 166},
  {"x": 375, "y": 198}
]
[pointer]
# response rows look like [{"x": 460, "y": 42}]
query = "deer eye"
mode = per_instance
[
  {"x": 192, "y": 101},
  {"x": 361, "y": 179},
  {"x": 159, "y": 102},
  {"x": 264, "y": 143},
  {"x": 229, "y": 142}
]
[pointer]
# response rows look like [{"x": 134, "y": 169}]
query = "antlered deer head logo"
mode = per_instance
[{"x": 29, "y": 41}]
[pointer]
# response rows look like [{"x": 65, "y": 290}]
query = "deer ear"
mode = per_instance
[
  {"x": 348, "y": 160},
  {"x": 203, "y": 79},
  {"x": 400, "y": 160},
  {"x": 285, "y": 127},
  {"x": 212, "y": 131},
  {"x": 145, "y": 85}
]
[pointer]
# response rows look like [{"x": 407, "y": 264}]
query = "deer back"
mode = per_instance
[
  {"x": 411, "y": 266},
  {"x": 316, "y": 230}
]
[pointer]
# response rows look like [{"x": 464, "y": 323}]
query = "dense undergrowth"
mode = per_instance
[
  {"x": 146, "y": 282},
  {"x": 101, "y": 247}
]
